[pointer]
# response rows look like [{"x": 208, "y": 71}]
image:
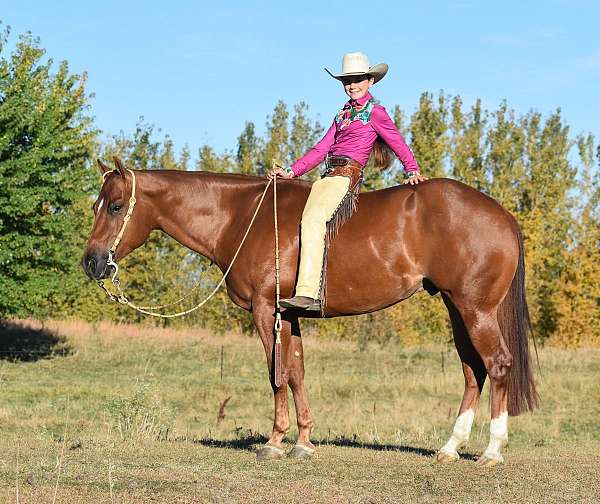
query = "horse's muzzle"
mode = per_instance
[{"x": 95, "y": 265}]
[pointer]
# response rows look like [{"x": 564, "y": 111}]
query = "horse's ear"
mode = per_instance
[
  {"x": 103, "y": 167},
  {"x": 119, "y": 166}
]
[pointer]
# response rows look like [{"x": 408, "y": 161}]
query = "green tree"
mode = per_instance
[
  {"x": 209, "y": 160},
  {"x": 468, "y": 144},
  {"x": 578, "y": 303},
  {"x": 399, "y": 118},
  {"x": 46, "y": 136},
  {"x": 304, "y": 135},
  {"x": 546, "y": 213},
  {"x": 166, "y": 159},
  {"x": 505, "y": 158},
  {"x": 248, "y": 152},
  {"x": 276, "y": 144},
  {"x": 428, "y": 130}
]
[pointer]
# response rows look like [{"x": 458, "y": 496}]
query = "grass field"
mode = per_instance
[{"x": 108, "y": 413}]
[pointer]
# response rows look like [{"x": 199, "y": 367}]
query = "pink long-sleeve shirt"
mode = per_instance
[{"x": 356, "y": 139}]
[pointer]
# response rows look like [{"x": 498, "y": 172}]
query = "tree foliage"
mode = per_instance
[
  {"x": 276, "y": 145},
  {"x": 46, "y": 138},
  {"x": 248, "y": 152},
  {"x": 524, "y": 162},
  {"x": 528, "y": 162}
]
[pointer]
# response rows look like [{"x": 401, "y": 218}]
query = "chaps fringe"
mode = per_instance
[{"x": 342, "y": 213}]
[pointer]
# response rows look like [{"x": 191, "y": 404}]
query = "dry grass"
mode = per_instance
[{"x": 139, "y": 406}]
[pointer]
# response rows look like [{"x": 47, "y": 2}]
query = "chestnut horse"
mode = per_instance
[{"x": 440, "y": 235}]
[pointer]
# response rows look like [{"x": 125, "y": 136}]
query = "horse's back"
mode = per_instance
[
  {"x": 438, "y": 207},
  {"x": 437, "y": 229},
  {"x": 411, "y": 216}
]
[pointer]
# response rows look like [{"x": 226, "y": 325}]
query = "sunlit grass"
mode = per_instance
[{"x": 139, "y": 407}]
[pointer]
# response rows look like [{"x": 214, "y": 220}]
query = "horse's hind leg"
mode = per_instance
[
  {"x": 475, "y": 373},
  {"x": 304, "y": 448},
  {"x": 486, "y": 336}
]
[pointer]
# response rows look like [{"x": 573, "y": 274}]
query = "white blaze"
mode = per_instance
[
  {"x": 101, "y": 204},
  {"x": 460, "y": 433}
]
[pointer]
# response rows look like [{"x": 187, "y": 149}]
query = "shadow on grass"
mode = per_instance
[
  {"x": 246, "y": 443},
  {"x": 355, "y": 443},
  {"x": 24, "y": 343},
  {"x": 249, "y": 442}
]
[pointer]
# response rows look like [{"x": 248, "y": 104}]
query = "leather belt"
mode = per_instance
[{"x": 345, "y": 167}]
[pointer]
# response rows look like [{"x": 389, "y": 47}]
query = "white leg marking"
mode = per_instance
[
  {"x": 460, "y": 433},
  {"x": 498, "y": 437}
]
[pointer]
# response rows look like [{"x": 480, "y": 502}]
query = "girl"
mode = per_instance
[{"x": 361, "y": 127}]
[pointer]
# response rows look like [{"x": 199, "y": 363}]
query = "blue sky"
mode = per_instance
[{"x": 199, "y": 70}]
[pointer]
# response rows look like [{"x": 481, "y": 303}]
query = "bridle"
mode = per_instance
[
  {"x": 132, "y": 202},
  {"x": 111, "y": 252}
]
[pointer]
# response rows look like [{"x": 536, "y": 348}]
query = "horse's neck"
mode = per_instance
[{"x": 200, "y": 210}]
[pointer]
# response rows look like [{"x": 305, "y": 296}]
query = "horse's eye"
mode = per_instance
[{"x": 115, "y": 208}]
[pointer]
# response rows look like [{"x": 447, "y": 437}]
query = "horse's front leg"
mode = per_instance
[
  {"x": 263, "y": 314},
  {"x": 295, "y": 371}
]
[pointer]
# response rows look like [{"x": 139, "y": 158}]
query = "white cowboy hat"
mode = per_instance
[{"x": 357, "y": 63}]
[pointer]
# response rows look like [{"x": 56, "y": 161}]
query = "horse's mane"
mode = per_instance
[{"x": 201, "y": 177}]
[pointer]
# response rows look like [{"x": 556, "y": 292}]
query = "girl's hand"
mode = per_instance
[
  {"x": 415, "y": 179},
  {"x": 285, "y": 173}
]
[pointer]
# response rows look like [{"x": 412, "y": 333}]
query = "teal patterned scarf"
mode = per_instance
[{"x": 352, "y": 113}]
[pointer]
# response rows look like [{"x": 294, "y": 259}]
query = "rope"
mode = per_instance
[
  {"x": 120, "y": 295},
  {"x": 278, "y": 324},
  {"x": 149, "y": 310},
  {"x": 182, "y": 298},
  {"x": 277, "y": 284},
  {"x": 113, "y": 248}
]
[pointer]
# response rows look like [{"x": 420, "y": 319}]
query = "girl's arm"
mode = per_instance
[
  {"x": 317, "y": 154},
  {"x": 386, "y": 129}
]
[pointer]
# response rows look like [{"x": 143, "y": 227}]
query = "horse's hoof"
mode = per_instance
[
  {"x": 445, "y": 457},
  {"x": 269, "y": 452},
  {"x": 301, "y": 452},
  {"x": 489, "y": 461}
]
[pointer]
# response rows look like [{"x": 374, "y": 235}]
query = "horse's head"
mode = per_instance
[{"x": 110, "y": 210}]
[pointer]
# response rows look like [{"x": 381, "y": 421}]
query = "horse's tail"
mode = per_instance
[{"x": 513, "y": 317}]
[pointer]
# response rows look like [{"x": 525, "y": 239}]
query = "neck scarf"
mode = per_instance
[{"x": 355, "y": 112}]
